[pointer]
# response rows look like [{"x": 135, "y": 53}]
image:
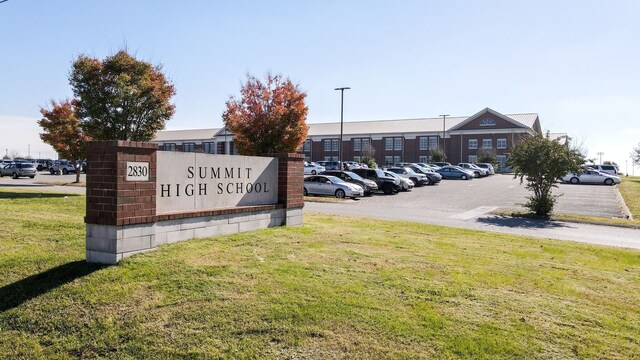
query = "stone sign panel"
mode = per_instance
[{"x": 197, "y": 181}]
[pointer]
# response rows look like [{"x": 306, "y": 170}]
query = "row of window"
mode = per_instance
[
  {"x": 392, "y": 160},
  {"x": 488, "y": 144},
  {"x": 395, "y": 143},
  {"x": 207, "y": 147}
]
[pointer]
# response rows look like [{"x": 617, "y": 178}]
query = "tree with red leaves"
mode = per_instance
[
  {"x": 270, "y": 117},
  {"x": 62, "y": 130}
]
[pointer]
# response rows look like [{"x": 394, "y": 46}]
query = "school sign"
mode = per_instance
[{"x": 139, "y": 197}]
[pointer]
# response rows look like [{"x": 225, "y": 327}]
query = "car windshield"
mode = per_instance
[
  {"x": 335, "y": 180},
  {"x": 390, "y": 174},
  {"x": 353, "y": 175},
  {"x": 380, "y": 173},
  {"x": 409, "y": 170}
]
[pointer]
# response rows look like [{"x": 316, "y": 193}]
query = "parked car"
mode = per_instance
[
  {"x": 454, "y": 172},
  {"x": 16, "y": 170},
  {"x": 477, "y": 171},
  {"x": 329, "y": 165},
  {"x": 63, "y": 165},
  {"x": 433, "y": 176},
  {"x": 488, "y": 167},
  {"x": 43, "y": 164},
  {"x": 331, "y": 186},
  {"x": 407, "y": 173},
  {"x": 405, "y": 184},
  {"x": 591, "y": 177},
  {"x": 369, "y": 186},
  {"x": 608, "y": 169},
  {"x": 429, "y": 166},
  {"x": 313, "y": 168},
  {"x": 388, "y": 185}
]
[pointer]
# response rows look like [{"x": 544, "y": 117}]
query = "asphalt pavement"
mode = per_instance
[{"x": 469, "y": 205}]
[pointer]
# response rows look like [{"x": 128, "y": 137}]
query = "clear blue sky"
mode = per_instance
[{"x": 573, "y": 62}]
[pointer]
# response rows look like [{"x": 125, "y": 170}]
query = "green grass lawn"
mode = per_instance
[
  {"x": 334, "y": 288},
  {"x": 630, "y": 191}
]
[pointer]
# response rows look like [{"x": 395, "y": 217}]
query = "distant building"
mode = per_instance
[{"x": 388, "y": 141}]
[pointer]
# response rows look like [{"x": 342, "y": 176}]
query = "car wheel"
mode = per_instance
[
  {"x": 51, "y": 171},
  {"x": 340, "y": 194},
  {"x": 575, "y": 180},
  {"x": 313, "y": 172},
  {"x": 464, "y": 177},
  {"x": 65, "y": 171},
  {"x": 14, "y": 176},
  {"x": 609, "y": 181},
  {"x": 305, "y": 192},
  {"x": 428, "y": 182},
  {"x": 39, "y": 168},
  {"x": 31, "y": 177},
  {"x": 476, "y": 174},
  {"x": 387, "y": 189}
]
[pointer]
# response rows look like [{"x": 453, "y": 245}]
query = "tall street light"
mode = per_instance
[
  {"x": 600, "y": 153},
  {"x": 444, "y": 118},
  {"x": 342, "y": 89}
]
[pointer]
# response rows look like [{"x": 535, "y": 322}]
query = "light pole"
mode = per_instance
[
  {"x": 444, "y": 119},
  {"x": 342, "y": 89},
  {"x": 600, "y": 153}
]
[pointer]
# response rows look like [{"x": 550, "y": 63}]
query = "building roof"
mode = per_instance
[
  {"x": 354, "y": 128},
  {"x": 182, "y": 135}
]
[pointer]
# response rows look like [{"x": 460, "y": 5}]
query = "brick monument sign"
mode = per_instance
[{"x": 139, "y": 197}]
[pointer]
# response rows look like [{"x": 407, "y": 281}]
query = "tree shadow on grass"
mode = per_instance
[
  {"x": 15, "y": 294},
  {"x": 33, "y": 195},
  {"x": 521, "y": 222}
]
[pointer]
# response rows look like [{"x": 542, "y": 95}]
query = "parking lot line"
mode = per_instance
[{"x": 471, "y": 214}]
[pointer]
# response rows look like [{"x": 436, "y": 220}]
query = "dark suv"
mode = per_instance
[
  {"x": 385, "y": 183},
  {"x": 369, "y": 186}
]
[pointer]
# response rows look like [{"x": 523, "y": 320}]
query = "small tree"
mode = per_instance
[
  {"x": 542, "y": 162},
  {"x": 269, "y": 117},
  {"x": 488, "y": 156},
  {"x": 62, "y": 130},
  {"x": 635, "y": 155},
  {"x": 120, "y": 97},
  {"x": 370, "y": 162},
  {"x": 437, "y": 155}
]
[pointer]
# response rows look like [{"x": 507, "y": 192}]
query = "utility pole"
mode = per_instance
[
  {"x": 600, "y": 153},
  {"x": 444, "y": 119},
  {"x": 342, "y": 89}
]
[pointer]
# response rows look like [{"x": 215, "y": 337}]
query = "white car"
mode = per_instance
[
  {"x": 405, "y": 184},
  {"x": 591, "y": 177},
  {"x": 313, "y": 168}
]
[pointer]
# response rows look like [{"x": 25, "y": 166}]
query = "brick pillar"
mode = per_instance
[
  {"x": 290, "y": 185},
  {"x": 112, "y": 201}
]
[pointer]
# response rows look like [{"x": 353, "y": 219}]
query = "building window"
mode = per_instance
[
  {"x": 397, "y": 143},
  {"x": 388, "y": 161},
  {"x": 330, "y": 158},
  {"x": 473, "y": 159},
  {"x": 357, "y": 144},
  {"x": 473, "y": 144},
  {"x": 189, "y": 147},
  {"x": 487, "y": 144},
  {"x": 365, "y": 144},
  {"x": 357, "y": 158},
  {"x": 331, "y": 144},
  {"x": 433, "y": 142},
  {"x": 424, "y": 159},
  {"x": 501, "y": 143},
  {"x": 424, "y": 143},
  {"x": 307, "y": 159},
  {"x": 388, "y": 144},
  {"x": 306, "y": 146},
  {"x": 502, "y": 161},
  {"x": 488, "y": 122},
  {"x": 209, "y": 147},
  {"x": 169, "y": 147}
]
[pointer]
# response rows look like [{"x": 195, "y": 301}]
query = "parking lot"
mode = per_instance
[{"x": 462, "y": 200}]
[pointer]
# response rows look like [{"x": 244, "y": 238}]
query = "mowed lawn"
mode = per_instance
[
  {"x": 630, "y": 191},
  {"x": 334, "y": 288}
]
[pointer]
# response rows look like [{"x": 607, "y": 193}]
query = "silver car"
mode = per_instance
[
  {"x": 405, "y": 184},
  {"x": 592, "y": 177},
  {"x": 21, "y": 169},
  {"x": 331, "y": 186}
]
